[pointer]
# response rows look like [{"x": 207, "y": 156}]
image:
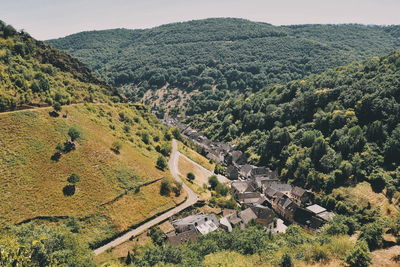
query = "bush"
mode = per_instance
[
  {"x": 69, "y": 190},
  {"x": 286, "y": 261},
  {"x": 359, "y": 256},
  {"x": 116, "y": 147},
  {"x": 222, "y": 189},
  {"x": 156, "y": 235},
  {"x": 57, "y": 106},
  {"x": 74, "y": 133},
  {"x": 190, "y": 176},
  {"x": 372, "y": 233},
  {"x": 165, "y": 188},
  {"x": 213, "y": 181},
  {"x": 161, "y": 163},
  {"x": 73, "y": 178},
  {"x": 177, "y": 189}
]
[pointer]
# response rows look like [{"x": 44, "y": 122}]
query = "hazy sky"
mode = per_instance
[{"x": 45, "y": 19}]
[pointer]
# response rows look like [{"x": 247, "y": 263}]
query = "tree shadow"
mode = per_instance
[{"x": 69, "y": 190}]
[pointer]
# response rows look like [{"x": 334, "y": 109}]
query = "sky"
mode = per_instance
[{"x": 47, "y": 19}]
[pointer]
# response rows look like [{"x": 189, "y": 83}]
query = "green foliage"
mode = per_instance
[
  {"x": 359, "y": 256},
  {"x": 161, "y": 163},
  {"x": 222, "y": 189},
  {"x": 213, "y": 182},
  {"x": 73, "y": 178},
  {"x": 286, "y": 261},
  {"x": 372, "y": 233},
  {"x": 165, "y": 188},
  {"x": 42, "y": 245},
  {"x": 33, "y": 73},
  {"x": 74, "y": 133},
  {"x": 156, "y": 235},
  {"x": 333, "y": 129},
  {"x": 57, "y": 106},
  {"x": 220, "y": 53},
  {"x": 190, "y": 176}
]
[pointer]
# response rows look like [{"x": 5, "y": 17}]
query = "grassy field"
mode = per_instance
[
  {"x": 362, "y": 194},
  {"x": 31, "y": 184},
  {"x": 196, "y": 157}
]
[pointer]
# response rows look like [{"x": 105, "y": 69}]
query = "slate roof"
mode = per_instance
[
  {"x": 316, "y": 208},
  {"x": 298, "y": 191},
  {"x": 247, "y": 215},
  {"x": 270, "y": 192},
  {"x": 326, "y": 215},
  {"x": 281, "y": 187},
  {"x": 242, "y": 186},
  {"x": 204, "y": 223}
]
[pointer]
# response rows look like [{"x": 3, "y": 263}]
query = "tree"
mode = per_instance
[
  {"x": 57, "y": 106},
  {"x": 222, "y": 189},
  {"x": 359, "y": 256},
  {"x": 190, "y": 176},
  {"x": 116, "y": 147},
  {"x": 165, "y": 188},
  {"x": 286, "y": 261},
  {"x": 213, "y": 181},
  {"x": 372, "y": 233},
  {"x": 74, "y": 178},
  {"x": 74, "y": 133},
  {"x": 156, "y": 235},
  {"x": 161, "y": 163}
]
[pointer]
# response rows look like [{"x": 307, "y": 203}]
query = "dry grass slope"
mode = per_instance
[{"x": 32, "y": 184}]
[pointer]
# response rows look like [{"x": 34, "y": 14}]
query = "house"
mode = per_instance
[
  {"x": 263, "y": 182},
  {"x": 229, "y": 219},
  {"x": 232, "y": 172},
  {"x": 237, "y": 157},
  {"x": 245, "y": 171},
  {"x": 247, "y": 216},
  {"x": 176, "y": 239},
  {"x": 258, "y": 214},
  {"x": 280, "y": 187},
  {"x": 285, "y": 207},
  {"x": 299, "y": 195},
  {"x": 263, "y": 171},
  {"x": 239, "y": 187},
  {"x": 250, "y": 198},
  {"x": 279, "y": 227},
  {"x": 321, "y": 212},
  {"x": 201, "y": 223}
]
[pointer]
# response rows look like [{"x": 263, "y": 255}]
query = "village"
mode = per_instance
[{"x": 263, "y": 198}]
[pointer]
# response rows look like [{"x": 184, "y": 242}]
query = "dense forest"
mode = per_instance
[
  {"x": 229, "y": 54},
  {"x": 333, "y": 129},
  {"x": 33, "y": 73}
]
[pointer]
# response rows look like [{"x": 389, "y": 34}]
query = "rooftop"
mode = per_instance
[{"x": 316, "y": 208}]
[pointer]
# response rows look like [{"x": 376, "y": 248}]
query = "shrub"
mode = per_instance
[
  {"x": 57, "y": 107},
  {"x": 213, "y": 181},
  {"x": 359, "y": 256},
  {"x": 165, "y": 188},
  {"x": 161, "y": 163},
  {"x": 286, "y": 261},
  {"x": 73, "y": 178},
  {"x": 372, "y": 233},
  {"x": 74, "y": 133},
  {"x": 222, "y": 189},
  {"x": 156, "y": 235},
  {"x": 190, "y": 176},
  {"x": 69, "y": 190},
  {"x": 116, "y": 147},
  {"x": 177, "y": 189}
]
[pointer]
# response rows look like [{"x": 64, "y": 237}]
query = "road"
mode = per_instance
[{"x": 190, "y": 200}]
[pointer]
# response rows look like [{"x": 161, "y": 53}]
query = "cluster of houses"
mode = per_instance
[
  {"x": 263, "y": 197},
  {"x": 262, "y": 187}
]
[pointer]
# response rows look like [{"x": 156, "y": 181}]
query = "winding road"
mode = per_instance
[{"x": 190, "y": 200}]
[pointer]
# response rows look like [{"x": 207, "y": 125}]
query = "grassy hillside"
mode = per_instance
[
  {"x": 33, "y": 73},
  {"x": 32, "y": 183},
  {"x": 230, "y": 54},
  {"x": 89, "y": 169}
]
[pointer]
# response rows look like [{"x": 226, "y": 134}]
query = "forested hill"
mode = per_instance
[
  {"x": 32, "y": 73},
  {"x": 233, "y": 54},
  {"x": 333, "y": 129}
]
